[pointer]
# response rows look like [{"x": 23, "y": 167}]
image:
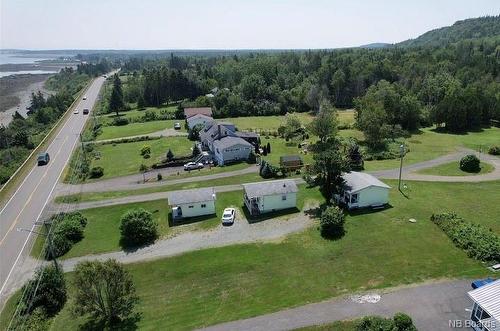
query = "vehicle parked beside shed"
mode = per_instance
[
  {"x": 265, "y": 197},
  {"x": 363, "y": 190},
  {"x": 192, "y": 203}
]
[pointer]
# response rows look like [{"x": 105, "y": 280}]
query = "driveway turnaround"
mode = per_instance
[
  {"x": 24, "y": 208},
  {"x": 433, "y": 307}
]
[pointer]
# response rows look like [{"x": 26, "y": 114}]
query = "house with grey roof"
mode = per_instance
[
  {"x": 198, "y": 119},
  {"x": 214, "y": 131},
  {"x": 192, "y": 203},
  {"x": 231, "y": 149},
  {"x": 363, "y": 190},
  {"x": 265, "y": 197}
]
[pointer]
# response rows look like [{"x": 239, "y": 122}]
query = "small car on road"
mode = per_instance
[
  {"x": 43, "y": 158},
  {"x": 228, "y": 216},
  {"x": 76, "y": 111},
  {"x": 193, "y": 166},
  {"x": 177, "y": 126},
  {"x": 84, "y": 98},
  {"x": 85, "y": 111}
]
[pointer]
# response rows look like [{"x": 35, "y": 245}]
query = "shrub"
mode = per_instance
[
  {"x": 400, "y": 322},
  {"x": 138, "y": 228},
  {"x": 67, "y": 229},
  {"x": 332, "y": 222},
  {"x": 159, "y": 177},
  {"x": 252, "y": 159},
  {"x": 149, "y": 115},
  {"x": 96, "y": 172},
  {"x": 494, "y": 150},
  {"x": 145, "y": 150},
  {"x": 170, "y": 155},
  {"x": 478, "y": 242},
  {"x": 51, "y": 291},
  {"x": 470, "y": 163},
  {"x": 119, "y": 121}
]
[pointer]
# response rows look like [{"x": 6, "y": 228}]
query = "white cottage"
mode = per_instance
[
  {"x": 485, "y": 313},
  {"x": 363, "y": 190},
  {"x": 192, "y": 203},
  {"x": 270, "y": 196}
]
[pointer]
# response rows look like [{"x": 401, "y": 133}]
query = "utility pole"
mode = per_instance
[
  {"x": 401, "y": 154},
  {"x": 49, "y": 240}
]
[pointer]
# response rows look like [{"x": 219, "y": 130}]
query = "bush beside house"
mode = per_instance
[{"x": 138, "y": 228}]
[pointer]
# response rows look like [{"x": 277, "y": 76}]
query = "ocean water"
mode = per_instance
[{"x": 19, "y": 58}]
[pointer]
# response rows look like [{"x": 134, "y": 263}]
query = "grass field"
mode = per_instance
[
  {"x": 453, "y": 169},
  {"x": 125, "y": 158},
  {"x": 135, "y": 129},
  {"x": 280, "y": 147},
  {"x": 273, "y": 122},
  {"x": 429, "y": 144},
  {"x": 195, "y": 289},
  {"x": 335, "y": 326},
  {"x": 107, "y": 119}
]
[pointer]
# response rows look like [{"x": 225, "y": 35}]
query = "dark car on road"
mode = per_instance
[
  {"x": 43, "y": 158},
  {"x": 85, "y": 111}
]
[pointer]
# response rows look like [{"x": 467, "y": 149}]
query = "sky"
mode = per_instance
[{"x": 220, "y": 24}]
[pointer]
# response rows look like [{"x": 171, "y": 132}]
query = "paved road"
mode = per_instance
[
  {"x": 28, "y": 202},
  {"x": 431, "y": 306}
]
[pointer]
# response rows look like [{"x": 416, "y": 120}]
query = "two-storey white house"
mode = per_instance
[
  {"x": 265, "y": 197},
  {"x": 231, "y": 149},
  {"x": 192, "y": 203}
]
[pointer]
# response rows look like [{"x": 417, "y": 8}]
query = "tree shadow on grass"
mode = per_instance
[
  {"x": 266, "y": 216},
  {"x": 188, "y": 220},
  {"x": 368, "y": 210},
  {"x": 128, "y": 324}
]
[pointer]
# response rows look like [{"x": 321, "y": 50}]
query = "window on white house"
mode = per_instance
[
  {"x": 203, "y": 205},
  {"x": 283, "y": 197},
  {"x": 354, "y": 198}
]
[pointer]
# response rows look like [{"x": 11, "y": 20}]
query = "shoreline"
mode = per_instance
[{"x": 16, "y": 92}]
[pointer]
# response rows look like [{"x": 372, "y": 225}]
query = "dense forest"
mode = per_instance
[{"x": 454, "y": 84}]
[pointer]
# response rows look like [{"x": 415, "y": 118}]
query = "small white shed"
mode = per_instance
[
  {"x": 192, "y": 203},
  {"x": 270, "y": 196},
  {"x": 363, "y": 190}
]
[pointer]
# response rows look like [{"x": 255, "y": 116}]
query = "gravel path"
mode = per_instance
[
  {"x": 134, "y": 182},
  {"x": 240, "y": 232},
  {"x": 162, "y": 133},
  {"x": 431, "y": 306}
]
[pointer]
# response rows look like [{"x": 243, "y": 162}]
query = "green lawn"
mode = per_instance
[
  {"x": 125, "y": 158},
  {"x": 97, "y": 196},
  {"x": 135, "y": 129},
  {"x": 280, "y": 147},
  {"x": 335, "y": 326},
  {"x": 107, "y": 119},
  {"x": 453, "y": 169},
  {"x": 428, "y": 145},
  {"x": 102, "y": 232},
  {"x": 273, "y": 122},
  {"x": 379, "y": 249}
]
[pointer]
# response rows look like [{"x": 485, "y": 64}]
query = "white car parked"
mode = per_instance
[
  {"x": 76, "y": 111},
  {"x": 193, "y": 166},
  {"x": 228, "y": 216}
]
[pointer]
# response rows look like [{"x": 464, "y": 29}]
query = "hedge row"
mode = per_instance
[{"x": 478, "y": 241}]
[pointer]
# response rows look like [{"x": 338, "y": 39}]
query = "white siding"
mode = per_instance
[
  {"x": 270, "y": 203},
  {"x": 233, "y": 153},
  {"x": 370, "y": 196},
  {"x": 197, "y": 209}
]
